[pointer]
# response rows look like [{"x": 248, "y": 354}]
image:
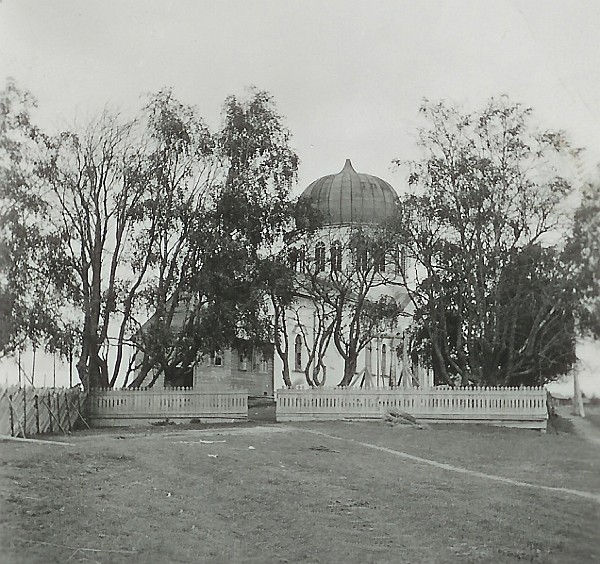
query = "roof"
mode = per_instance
[{"x": 350, "y": 197}]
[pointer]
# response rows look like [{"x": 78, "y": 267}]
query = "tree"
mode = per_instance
[
  {"x": 30, "y": 253},
  {"x": 344, "y": 290},
  {"x": 486, "y": 202},
  {"x": 172, "y": 231},
  {"x": 95, "y": 181},
  {"x": 281, "y": 279},
  {"x": 583, "y": 252},
  {"x": 232, "y": 209}
]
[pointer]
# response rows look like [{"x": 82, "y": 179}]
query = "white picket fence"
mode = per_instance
[
  {"x": 126, "y": 407},
  {"x": 510, "y": 407}
]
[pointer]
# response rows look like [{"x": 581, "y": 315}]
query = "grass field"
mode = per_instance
[{"x": 323, "y": 492}]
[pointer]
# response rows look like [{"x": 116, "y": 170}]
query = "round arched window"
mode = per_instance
[
  {"x": 320, "y": 257},
  {"x": 298, "y": 353},
  {"x": 336, "y": 256}
]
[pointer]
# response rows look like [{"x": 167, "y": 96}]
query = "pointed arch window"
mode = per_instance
[
  {"x": 320, "y": 257},
  {"x": 383, "y": 359},
  {"x": 336, "y": 256},
  {"x": 298, "y": 353}
]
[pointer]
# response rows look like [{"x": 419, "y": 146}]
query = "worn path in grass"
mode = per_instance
[
  {"x": 585, "y": 427},
  {"x": 460, "y": 470},
  {"x": 322, "y": 492}
]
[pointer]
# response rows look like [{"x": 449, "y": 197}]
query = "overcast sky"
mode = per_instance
[{"x": 348, "y": 76}]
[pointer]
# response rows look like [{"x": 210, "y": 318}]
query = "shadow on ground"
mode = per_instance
[{"x": 261, "y": 410}]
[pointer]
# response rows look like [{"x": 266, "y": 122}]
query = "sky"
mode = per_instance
[{"x": 348, "y": 76}]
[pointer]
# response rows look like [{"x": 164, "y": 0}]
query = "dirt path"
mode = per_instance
[{"x": 583, "y": 427}]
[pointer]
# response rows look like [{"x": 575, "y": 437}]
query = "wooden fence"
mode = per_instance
[
  {"x": 510, "y": 407},
  {"x": 27, "y": 411},
  {"x": 124, "y": 407}
]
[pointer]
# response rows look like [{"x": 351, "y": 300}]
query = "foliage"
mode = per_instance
[
  {"x": 124, "y": 219},
  {"x": 227, "y": 211},
  {"x": 485, "y": 208},
  {"x": 583, "y": 251},
  {"x": 31, "y": 264},
  {"x": 168, "y": 241}
]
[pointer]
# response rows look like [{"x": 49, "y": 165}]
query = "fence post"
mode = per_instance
[
  {"x": 49, "y": 408},
  {"x": 12, "y": 416},
  {"x": 80, "y": 412},
  {"x": 24, "y": 411},
  {"x": 57, "y": 408},
  {"x": 37, "y": 413},
  {"x": 69, "y": 425}
]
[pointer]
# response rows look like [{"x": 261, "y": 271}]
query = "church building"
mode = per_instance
[{"x": 352, "y": 206}]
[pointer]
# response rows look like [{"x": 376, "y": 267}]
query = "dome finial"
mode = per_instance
[{"x": 348, "y": 164}]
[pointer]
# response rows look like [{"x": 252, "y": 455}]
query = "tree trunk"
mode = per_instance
[
  {"x": 349, "y": 370},
  {"x": 285, "y": 371}
]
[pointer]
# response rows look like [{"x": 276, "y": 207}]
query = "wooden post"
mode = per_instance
[
  {"x": 12, "y": 416},
  {"x": 69, "y": 424},
  {"x": 577, "y": 399},
  {"x": 49, "y": 408},
  {"x": 57, "y": 408},
  {"x": 79, "y": 409},
  {"x": 24, "y": 412},
  {"x": 33, "y": 367},
  {"x": 378, "y": 353},
  {"x": 37, "y": 414}
]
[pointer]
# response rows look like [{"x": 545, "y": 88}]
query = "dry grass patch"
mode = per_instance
[{"x": 205, "y": 496}]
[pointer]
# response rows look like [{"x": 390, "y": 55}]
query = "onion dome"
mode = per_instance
[{"x": 350, "y": 197}]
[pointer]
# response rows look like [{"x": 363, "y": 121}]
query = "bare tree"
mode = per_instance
[
  {"x": 96, "y": 183},
  {"x": 346, "y": 279}
]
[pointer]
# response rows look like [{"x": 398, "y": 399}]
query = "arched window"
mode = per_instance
[
  {"x": 336, "y": 256},
  {"x": 369, "y": 357},
  {"x": 383, "y": 359},
  {"x": 360, "y": 258},
  {"x": 264, "y": 363},
  {"x": 243, "y": 361},
  {"x": 320, "y": 257},
  {"x": 379, "y": 260},
  {"x": 297, "y": 257},
  {"x": 298, "y": 353},
  {"x": 301, "y": 263},
  {"x": 400, "y": 261}
]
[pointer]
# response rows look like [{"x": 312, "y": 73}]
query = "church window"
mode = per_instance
[
  {"x": 379, "y": 260},
  {"x": 300, "y": 263},
  {"x": 383, "y": 359},
  {"x": 264, "y": 363},
  {"x": 217, "y": 359},
  {"x": 400, "y": 261},
  {"x": 297, "y": 259},
  {"x": 361, "y": 258},
  {"x": 243, "y": 361},
  {"x": 336, "y": 256},
  {"x": 320, "y": 257},
  {"x": 298, "y": 353}
]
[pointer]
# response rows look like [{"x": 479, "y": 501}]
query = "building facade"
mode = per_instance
[{"x": 350, "y": 254}]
